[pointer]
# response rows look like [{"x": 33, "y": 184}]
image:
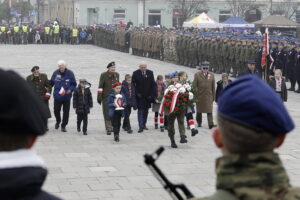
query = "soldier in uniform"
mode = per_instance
[
  {"x": 204, "y": 86},
  {"x": 107, "y": 79},
  {"x": 16, "y": 34},
  {"x": 41, "y": 85},
  {"x": 291, "y": 68},
  {"x": 249, "y": 129}
]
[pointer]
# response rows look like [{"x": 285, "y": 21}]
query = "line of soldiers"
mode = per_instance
[{"x": 47, "y": 34}]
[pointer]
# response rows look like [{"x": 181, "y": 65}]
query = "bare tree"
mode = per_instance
[
  {"x": 288, "y": 8},
  {"x": 239, "y": 7},
  {"x": 188, "y": 8}
]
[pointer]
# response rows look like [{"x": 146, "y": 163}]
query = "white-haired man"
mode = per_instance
[
  {"x": 145, "y": 88},
  {"x": 64, "y": 83}
]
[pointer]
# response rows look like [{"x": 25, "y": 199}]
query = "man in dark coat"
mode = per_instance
[
  {"x": 250, "y": 69},
  {"x": 291, "y": 67},
  {"x": 64, "y": 83},
  {"x": 107, "y": 79},
  {"x": 41, "y": 85},
  {"x": 22, "y": 171},
  {"x": 145, "y": 87}
]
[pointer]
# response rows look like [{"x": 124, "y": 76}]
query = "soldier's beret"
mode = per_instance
[
  {"x": 250, "y": 102},
  {"x": 173, "y": 75},
  {"x": 111, "y": 64},
  {"x": 251, "y": 62},
  {"x": 21, "y": 110},
  {"x": 35, "y": 68}
]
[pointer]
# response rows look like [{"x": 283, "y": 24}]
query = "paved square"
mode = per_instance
[{"x": 94, "y": 167}]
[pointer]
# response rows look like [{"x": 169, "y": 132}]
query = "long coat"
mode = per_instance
[
  {"x": 81, "y": 103},
  {"x": 204, "y": 88},
  {"x": 107, "y": 79},
  {"x": 145, "y": 88},
  {"x": 41, "y": 85}
]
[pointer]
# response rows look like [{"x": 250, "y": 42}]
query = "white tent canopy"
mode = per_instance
[{"x": 202, "y": 21}]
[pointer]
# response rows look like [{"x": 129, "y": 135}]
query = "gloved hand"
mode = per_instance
[{"x": 99, "y": 102}]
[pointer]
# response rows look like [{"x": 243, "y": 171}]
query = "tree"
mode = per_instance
[
  {"x": 238, "y": 8},
  {"x": 5, "y": 12},
  {"x": 188, "y": 8},
  {"x": 24, "y": 7},
  {"x": 288, "y": 8}
]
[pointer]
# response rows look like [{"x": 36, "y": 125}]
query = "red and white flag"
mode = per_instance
[
  {"x": 9, "y": 4},
  {"x": 265, "y": 49},
  {"x": 47, "y": 95},
  {"x": 62, "y": 91}
]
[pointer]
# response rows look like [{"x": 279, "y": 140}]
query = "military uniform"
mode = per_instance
[{"x": 107, "y": 79}]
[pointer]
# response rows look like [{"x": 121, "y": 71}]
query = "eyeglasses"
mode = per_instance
[{"x": 205, "y": 68}]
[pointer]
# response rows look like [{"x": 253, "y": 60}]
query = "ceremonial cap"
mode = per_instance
[
  {"x": 116, "y": 84},
  {"x": 21, "y": 110},
  {"x": 35, "y": 68},
  {"x": 250, "y": 102},
  {"x": 251, "y": 62},
  {"x": 111, "y": 64}
]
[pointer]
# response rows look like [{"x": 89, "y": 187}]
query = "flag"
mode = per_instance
[
  {"x": 47, "y": 95},
  {"x": 9, "y": 4},
  {"x": 265, "y": 48},
  {"x": 62, "y": 91}
]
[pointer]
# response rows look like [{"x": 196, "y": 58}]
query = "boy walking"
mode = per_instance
[{"x": 82, "y": 103}]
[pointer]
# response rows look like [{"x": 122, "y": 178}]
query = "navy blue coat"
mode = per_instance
[
  {"x": 130, "y": 99},
  {"x": 66, "y": 80},
  {"x": 111, "y": 100}
]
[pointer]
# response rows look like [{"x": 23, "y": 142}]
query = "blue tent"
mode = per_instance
[{"x": 237, "y": 23}]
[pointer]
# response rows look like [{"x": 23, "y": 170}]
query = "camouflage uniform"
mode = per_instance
[{"x": 259, "y": 176}]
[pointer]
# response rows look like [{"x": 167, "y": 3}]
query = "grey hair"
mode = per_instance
[{"x": 61, "y": 62}]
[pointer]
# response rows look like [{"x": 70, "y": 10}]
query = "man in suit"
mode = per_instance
[{"x": 145, "y": 87}]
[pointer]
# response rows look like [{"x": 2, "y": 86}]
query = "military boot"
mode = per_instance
[
  {"x": 173, "y": 143},
  {"x": 183, "y": 139}
]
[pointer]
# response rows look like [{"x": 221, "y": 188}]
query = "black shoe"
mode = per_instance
[
  {"x": 126, "y": 129},
  {"x": 108, "y": 133},
  {"x": 129, "y": 131},
  {"x": 194, "y": 132},
  {"x": 117, "y": 138},
  {"x": 199, "y": 125},
  {"x": 146, "y": 128},
  {"x": 183, "y": 139},
  {"x": 84, "y": 133},
  {"x": 63, "y": 129},
  {"x": 140, "y": 130},
  {"x": 173, "y": 145},
  {"x": 297, "y": 91},
  {"x": 166, "y": 128},
  {"x": 162, "y": 129},
  {"x": 188, "y": 127},
  {"x": 212, "y": 126},
  {"x": 56, "y": 125},
  {"x": 156, "y": 126},
  {"x": 291, "y": 89},
  {"x": 78, "y": 130}
]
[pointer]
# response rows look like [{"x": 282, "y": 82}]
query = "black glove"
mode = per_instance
[
  {"x": 99, "y": 102},
  {"x": 150, "y": 99}
]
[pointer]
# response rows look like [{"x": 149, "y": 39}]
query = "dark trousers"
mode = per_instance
[
  {"x": 209, "y": 119},
  {"x": 82, "y": 117},
  {"x": 142, "y": 117},
  {"x": 126, "y": 121},
  {"x": 66, "y": 111},
  {"x": 116, "y": 121}
]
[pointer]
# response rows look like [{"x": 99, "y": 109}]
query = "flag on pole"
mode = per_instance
[
  {"x": 265, "y": 49},
  {"x": 9, "y": 4}
]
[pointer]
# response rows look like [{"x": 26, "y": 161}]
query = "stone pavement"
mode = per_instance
[{"x": 94, "y": 167}]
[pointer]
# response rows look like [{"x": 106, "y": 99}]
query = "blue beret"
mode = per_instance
[
  {"x": 250, "y": 102},
  {"x": 251, "y": 62}
]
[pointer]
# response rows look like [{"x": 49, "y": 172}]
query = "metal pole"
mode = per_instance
[
  {"x": 271, "y": 8},
  {"x": 38, "y": 8}
]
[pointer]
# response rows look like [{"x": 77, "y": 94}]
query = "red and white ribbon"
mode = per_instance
[
  {"x": 62, "y": 91},
  {"x": 100, "y": 91},
  {"x": 47, "y": 95}
]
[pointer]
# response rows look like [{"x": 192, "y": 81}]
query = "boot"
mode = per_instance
[
  {"x": 156, "y": 126},
  {"x": 291, "y": 89},
  {"x": 298, "y": 91},
  {"x": 173, "y": 144},
  {"x": 129, "y": 131},
  {"x": 194, "y": 132},
  {"x": 162, "y": 129},
  {"x": 108, "y": 133},
  {"x": 183, "y": 139},
  {"x": 212, "y": 126},
  {"x": 117, "y": 137}
]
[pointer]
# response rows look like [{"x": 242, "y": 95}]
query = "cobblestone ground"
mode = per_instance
[{"x": 94, "y": 167}]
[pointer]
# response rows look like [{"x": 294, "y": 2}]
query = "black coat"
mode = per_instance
[
  {"x": 284, "y": 93},
  {"x": 258, "y": 56},
  {"x": 130, "y": 99},
  {"x": 247, "y": 71},
  {"x": 23, "y": 183},
  {"x": 280, "y": 60},
  {"x": 220, "y": 88},
  {"x": 78, "y": 103},
  {"x": 145, "y": 88},
  {"x": 291, "y": 70}
]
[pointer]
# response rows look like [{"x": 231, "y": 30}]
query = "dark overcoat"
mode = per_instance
[{"x": 81, "y": 103}]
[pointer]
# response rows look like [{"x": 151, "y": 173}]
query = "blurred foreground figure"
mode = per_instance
[
  {"x": 23, "y": 117},
  {"x": 252, "y": 122}
]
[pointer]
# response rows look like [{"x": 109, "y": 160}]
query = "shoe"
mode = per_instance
[
  {"x": 117, "y": 138},
  {"x": 140, "y": 130},
  {"x": 194, "y": 132},
  {"x": 291, "y": 89},
  {"x": 199, "y": 125},
  {"x": 297, "y": 91},
  {"x": 56, "y": 125},
  {"x": 212, "y": 126},
  {"x": 125, "y": 129},
  {"x": 166, "y": 128},
  {"x": 63, "y": 129},
  {"x": 156, "y": 126},
  {"x": 183, "y": 139},
  {"x": 173, "y": 145},
  {"x": 146, "y": 128},
  {"x": 78, "y": 130},
  {"x": 85, "y": 133},
  {"x": 162, "y": 129},
  {"x": 129, "y": 131},
  {"x": 47, "y": 129},
  {"x": 108, "y": 133},
  {"x": 188, "y": 127}
]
